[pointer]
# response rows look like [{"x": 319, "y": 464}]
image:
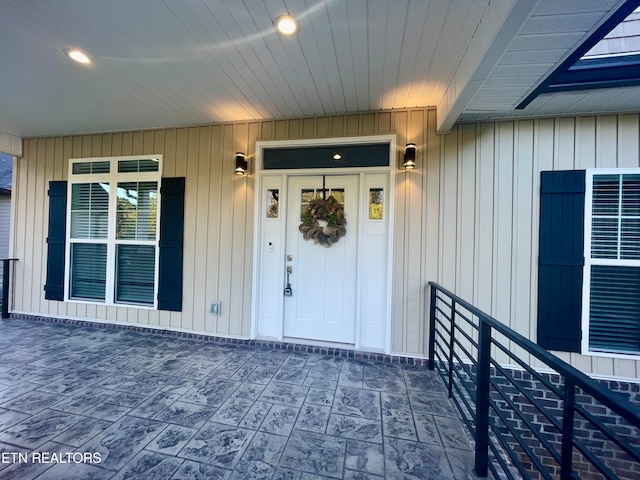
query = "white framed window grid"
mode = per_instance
[
  {"x": 113, "y": 225},
  {"x": 612, "y": 263}
]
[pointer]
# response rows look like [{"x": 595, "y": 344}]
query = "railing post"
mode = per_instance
[
  {"x": 5, "y": 287},
  {"x": 568, "y": 412},
  {"x": 452, "y": 337},
  {"x": 482, "y": 399},
  {"x": 432, "y": 327}
]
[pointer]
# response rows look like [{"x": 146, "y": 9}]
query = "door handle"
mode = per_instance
[{"x": 288, "y": 291}]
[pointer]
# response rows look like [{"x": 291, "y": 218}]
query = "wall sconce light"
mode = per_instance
[
  {"x": 410, "y": 156},
  {"x": 241, "y": 163}
]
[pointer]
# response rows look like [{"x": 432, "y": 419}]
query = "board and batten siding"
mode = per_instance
[
  {"x": 466, "y": 217},
  {"x": 219, "y": 211},
  {"x": 490, "y": 203}
]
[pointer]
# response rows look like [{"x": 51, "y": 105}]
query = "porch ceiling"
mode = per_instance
[{"x": 185, "y": 62}]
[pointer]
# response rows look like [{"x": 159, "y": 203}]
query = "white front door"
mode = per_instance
[{"x": 323, "y": 278}]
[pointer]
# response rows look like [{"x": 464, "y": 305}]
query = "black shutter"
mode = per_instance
[
  {"x": 171, "y": 241},
  {"x": 54, "y": 288},
  {"x": 561, "y": 259}
]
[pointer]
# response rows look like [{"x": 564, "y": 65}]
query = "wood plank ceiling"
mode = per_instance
[{"x": 185, "y": 62}]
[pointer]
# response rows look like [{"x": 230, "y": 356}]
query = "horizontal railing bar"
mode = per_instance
[
  {"x": 443, "y": 313},
  {"x": 595, "y": 461},
  {"x": 530, "y": 370},
  {"x": 467, "y": 336},
  {"x": 444, "y": 327},
  {"x": 440, "y": 347},
  {"x": 534, "y": 459},
  {"x": 461, "y": 393},
  {"x": 467, "y": 370},
  {"x": 444, "y": 300},
  {"x": 532, "y": 428},
  {"x": 439, "y": 358},
  {"x": 612, "y": 436},
  {"x": 628, "y": 411},
  {"x": 531, "y": 399},
  {"x": 507, "y": 449},
  {"x": 469, "y": 357},
  {"x": 468, "y": 321},
  {"x": 503, "y": 464},
  {"x": 466, "y": 419},
  {"x": 469, "y": 413}
]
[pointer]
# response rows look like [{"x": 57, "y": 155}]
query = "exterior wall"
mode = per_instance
[
  {"x": 219, "y": 217},
  {"x": 490, "y": 204},
  {"x": 466, "y": 217}
]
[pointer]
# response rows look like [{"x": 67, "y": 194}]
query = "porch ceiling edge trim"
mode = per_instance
[
  {"x": 607, "y": 24},
  {"x": 496, "y": 30}
]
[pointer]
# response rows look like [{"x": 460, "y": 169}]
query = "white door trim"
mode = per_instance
[{"x": 267, "y": 178}]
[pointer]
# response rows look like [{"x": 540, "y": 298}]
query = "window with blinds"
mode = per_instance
[
  {"x": 612, "y": 280},
  {"x": 113, "y": 230}
]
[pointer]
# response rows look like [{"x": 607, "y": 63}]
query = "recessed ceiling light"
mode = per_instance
[
  {"x": 286, "y": 25},
  {"x": 337, "y": 156},
  {"x": 78, "y": 56}
]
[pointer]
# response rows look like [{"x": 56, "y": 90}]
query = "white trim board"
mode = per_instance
[{"x": 268, "y": 277}]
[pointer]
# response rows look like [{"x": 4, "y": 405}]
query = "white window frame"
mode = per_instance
[
  {"x": 112, "y": 178},
  {"x": 588, "y": 261}
]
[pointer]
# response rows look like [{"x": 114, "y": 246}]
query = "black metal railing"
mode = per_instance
[
  {"x": 531, "y": 414},
  {"x": 7, "y": 276}
]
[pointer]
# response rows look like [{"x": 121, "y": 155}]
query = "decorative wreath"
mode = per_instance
[{"x": 319, "y": 212}]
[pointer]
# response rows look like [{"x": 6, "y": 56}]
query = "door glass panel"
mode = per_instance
[
  {"x": 376, "y": 200},
  {"x": 272, "y": 203},
  {"x": 338, "y": 194},
  {"x": 310, "y": 194}
]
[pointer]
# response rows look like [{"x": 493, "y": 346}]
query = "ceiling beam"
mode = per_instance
[{"x": 497, "y": 28}]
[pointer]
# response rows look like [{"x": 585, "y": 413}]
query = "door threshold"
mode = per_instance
[{"x": 319, "y": 343}]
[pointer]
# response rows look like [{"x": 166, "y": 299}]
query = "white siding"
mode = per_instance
[
  {"x": 507, "y": 158},
  {"x": 467, "y": 216}
]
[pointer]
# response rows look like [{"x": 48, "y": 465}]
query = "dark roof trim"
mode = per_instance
[{"x": 576, "y": 74}]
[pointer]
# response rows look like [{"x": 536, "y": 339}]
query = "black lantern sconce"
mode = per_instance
[
  {"x": 410, "y": 156},
  {"x": 241, "y": 163}
]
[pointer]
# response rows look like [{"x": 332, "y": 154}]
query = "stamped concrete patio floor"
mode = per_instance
[{"x": 125, "y": 404}]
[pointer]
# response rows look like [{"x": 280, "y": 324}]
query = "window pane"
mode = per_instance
[
  {"x": 89, "y": 210},
  {"x": 144, "y": 165},
  {"x": 604, "y": 238},
  {"x": 338, "y": 194},
  {"x": 606, "y": 189},
  {"x": 88, "y": 271},
  {"x": 631, "y": 195},
  {"x": 614, "y": 309},
  {"x": 272, "y": 203},
  {"x": 308, "y": 195},
  {"x": 376, "y": 199},
  {"x": 630, "y": 241},
  {"x": 135, "y": 273},
  {"x": 90, "y": 167},
  {"x": 137, "y": 208}
]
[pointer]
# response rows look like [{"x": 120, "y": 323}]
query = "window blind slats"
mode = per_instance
[
  {"x": 631, "y": 195},
  {"x": 89, "y": 210},
  {"x": 615, "y": 224},
  {"x": 135, "y": 273},
  {"x": 614, "y": 310},
  {"x": 88, "y": 271}
]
